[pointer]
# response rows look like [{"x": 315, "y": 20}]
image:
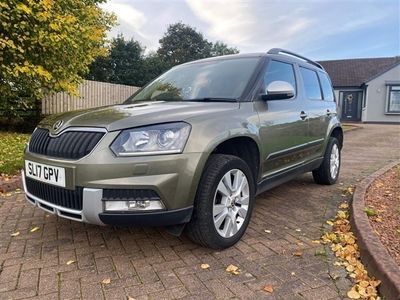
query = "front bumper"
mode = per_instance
[
  {"x": 92, "y": 211},
  {"x": 174, "y": 178}
]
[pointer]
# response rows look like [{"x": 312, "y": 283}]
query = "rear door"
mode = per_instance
[
  {"x": 320, "y": 107},
  {"x": 283, "y": 128}
]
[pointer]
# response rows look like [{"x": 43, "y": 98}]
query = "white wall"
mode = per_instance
[{"x": 377, "y": 97}]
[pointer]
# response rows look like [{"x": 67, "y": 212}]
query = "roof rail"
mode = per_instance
[{"x": 279, "y": 50}]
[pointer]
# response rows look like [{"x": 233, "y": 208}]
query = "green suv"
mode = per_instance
[{"x": 191, "y": 149}]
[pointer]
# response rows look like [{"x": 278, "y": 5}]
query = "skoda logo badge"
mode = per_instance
[{"x": 57, "y": 124}]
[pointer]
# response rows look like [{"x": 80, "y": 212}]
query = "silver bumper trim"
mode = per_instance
[{"x": 92, "y": 205}]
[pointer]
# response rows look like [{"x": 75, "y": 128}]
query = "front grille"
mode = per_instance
[
  {"x": 130, "y": 194},
  {"x": 55, "y": 195},
  {"x": 70, "y": 145}
]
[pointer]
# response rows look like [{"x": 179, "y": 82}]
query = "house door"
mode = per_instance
[{"x": 351, "y": 106}]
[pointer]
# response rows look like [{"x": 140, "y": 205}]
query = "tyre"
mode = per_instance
[
  {"x": 223, "y": 203},
  {"x": 328, "y": 171}
]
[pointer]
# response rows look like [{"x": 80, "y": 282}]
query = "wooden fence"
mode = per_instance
[{"x": 92, "y": 94}]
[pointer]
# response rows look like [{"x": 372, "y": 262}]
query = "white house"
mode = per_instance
[{"x": 367, "y": 89}]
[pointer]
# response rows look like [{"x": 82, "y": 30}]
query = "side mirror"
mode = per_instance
[{"x": 278, "y": 90}]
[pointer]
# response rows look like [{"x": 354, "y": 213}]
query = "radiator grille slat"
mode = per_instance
[
  {"x": 70, "y": 145},
  {"x": 56, "y": 195}
]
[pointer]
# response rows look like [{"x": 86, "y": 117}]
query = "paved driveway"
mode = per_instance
[{"x": 148, "y": 263}]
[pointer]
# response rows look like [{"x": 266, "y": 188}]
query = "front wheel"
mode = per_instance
[
  {"x": 223, "y": 204},
  {"x": 328, "y": 171}
]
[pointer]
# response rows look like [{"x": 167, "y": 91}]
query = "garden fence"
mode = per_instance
[{"x": 91, "y": 94}]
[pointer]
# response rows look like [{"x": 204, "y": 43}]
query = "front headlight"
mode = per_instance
[{"x": 156, "y": 139}]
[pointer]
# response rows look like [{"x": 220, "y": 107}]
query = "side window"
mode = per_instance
[
  {"x": 279, "y": 71},
  {"x": 311, "y": 84},
  {"x": 326, "y": 87}
]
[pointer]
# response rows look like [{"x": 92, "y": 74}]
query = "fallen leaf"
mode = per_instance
[
  {"x": 34, "y": 229},
  {"x": 297, "y": 253},
  {"x": 70, "y": 262},
  {"x": 316, "y": 242},
  {"x": 329, "y": 222},
  {"x": 320, "y": 252},
  {"x": 350, "y": 268},
  {"x": 353, "y": 294},
  {"x": 204, "y": 266},
  {"x": 233, "y": 269},
  {"x": 268, "y": 288},
  {"x": 343, "y": 205},
  {"x": 131, "y": 298},
  {"x": 298, "y": 230},
  {"x": 370, "y": 211},
  {"x": 293, "y": 273},
  {"x": 15, "y": 233},
  {"x": 106, "y": 281},
  {"x": 267, "y": 231}
]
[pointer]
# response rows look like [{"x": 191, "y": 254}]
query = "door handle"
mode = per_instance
[{"x": 303, "y": 115}]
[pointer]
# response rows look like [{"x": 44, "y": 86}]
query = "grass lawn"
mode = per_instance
[{"x": 11, "y": 152}]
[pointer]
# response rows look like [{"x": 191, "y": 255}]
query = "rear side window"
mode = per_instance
[
  {"x": 279, "y": 71},
  {"x": 326, "y": 87},
  {"x": 311, "y": 84}
]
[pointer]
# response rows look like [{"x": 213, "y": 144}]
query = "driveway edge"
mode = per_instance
[{"x": 373, "y": 254}]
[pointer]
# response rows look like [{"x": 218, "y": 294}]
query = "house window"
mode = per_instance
[{"x": 394, "y": 99}]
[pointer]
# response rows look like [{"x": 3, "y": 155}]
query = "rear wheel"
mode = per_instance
[
  {"x": 223, "y": 203},
  {"x": 328, "y": 171}
]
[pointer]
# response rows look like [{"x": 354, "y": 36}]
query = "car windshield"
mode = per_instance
[{"x": 214, "y": 80}]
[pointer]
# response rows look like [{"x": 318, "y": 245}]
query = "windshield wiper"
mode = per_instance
[{"x": 213, "y": 99}]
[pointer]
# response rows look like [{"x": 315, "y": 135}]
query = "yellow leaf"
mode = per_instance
[
  {"x": 106, "y": 281},
  {"x": 233, "y": 269},
  {"x": 350, "y": 268},
  {"x": 353, "y": 294},
  {"x": 130, "y": 298},
  {"x": 343, "y": 205},
  {"x": 316, "y": 242},
  {"x": 34, "y": 229},
  {"x": 70, "y": 262},
  {"x": 329, "y": 222},
  {"x": 297, "y": 253},
  {"x": 268, "y": 288},
  {"x": 15, "y": 233},
  {"x": 204, "y": 266}
]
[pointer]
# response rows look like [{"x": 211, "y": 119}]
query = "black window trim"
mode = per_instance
[
  {"x": 319, "y": 73},
  {"x": 264, "y": 70},
  {"x": 388, "y": 111},
  {"x": 319, "y": 82}
]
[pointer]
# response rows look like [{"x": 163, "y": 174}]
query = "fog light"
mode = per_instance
[{"x": 133, "y": 205}]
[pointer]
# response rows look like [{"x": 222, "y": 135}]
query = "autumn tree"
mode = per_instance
[{"x": 46, "y": 46}]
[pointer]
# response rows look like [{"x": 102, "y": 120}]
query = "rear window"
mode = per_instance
[
  {"x": 311, "y": 84},
  {"x": 326, "y": 87}
]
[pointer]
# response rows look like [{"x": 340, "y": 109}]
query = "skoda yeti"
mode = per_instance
[{"x": 191, "y": 149}]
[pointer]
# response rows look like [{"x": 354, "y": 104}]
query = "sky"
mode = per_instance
[{"x": 321, "y": 30}]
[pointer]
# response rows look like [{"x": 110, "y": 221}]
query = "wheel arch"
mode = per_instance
[
  {"x": 244, "y": 147},
  {"x": 337, "y": 132}
]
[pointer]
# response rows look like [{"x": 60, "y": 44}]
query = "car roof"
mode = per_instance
[{"x": 274, "y": 53}]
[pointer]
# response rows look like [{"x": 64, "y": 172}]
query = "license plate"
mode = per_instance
[{"x": 45, "y": 173}]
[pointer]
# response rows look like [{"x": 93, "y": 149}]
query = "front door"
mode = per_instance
[
  {"x": 283, "y": 129},
  {"x": 351, "y": 105}
]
